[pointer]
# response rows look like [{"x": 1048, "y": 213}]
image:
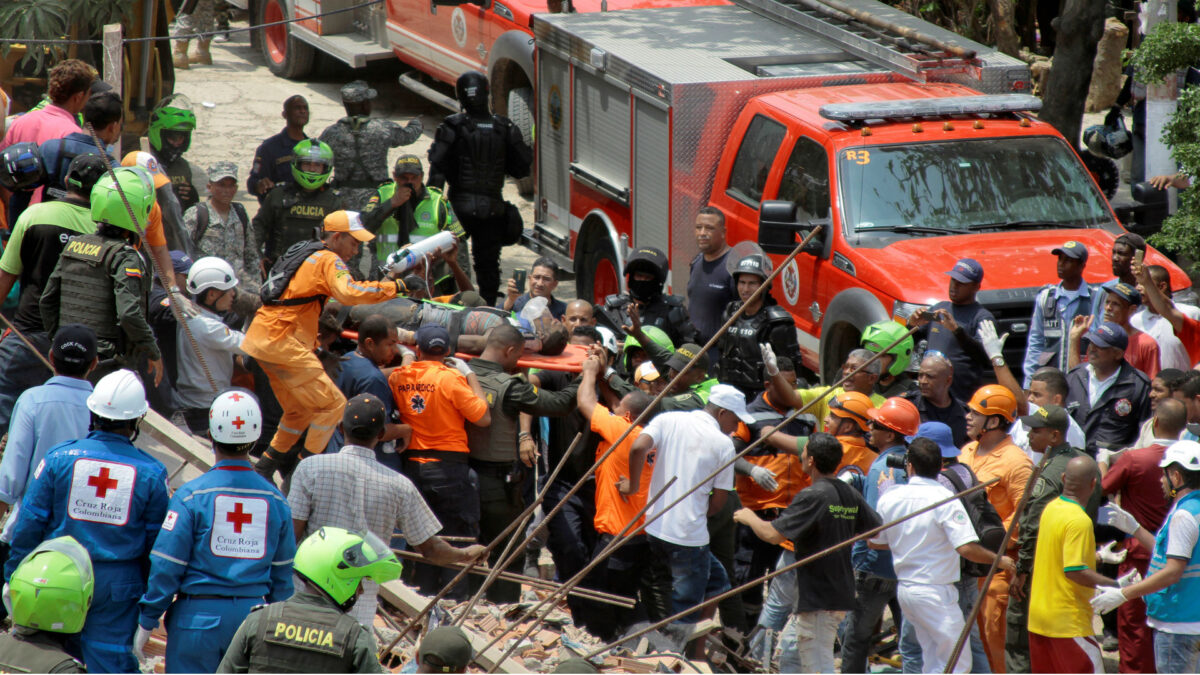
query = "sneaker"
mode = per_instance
[{"x": 221, "y": 37}]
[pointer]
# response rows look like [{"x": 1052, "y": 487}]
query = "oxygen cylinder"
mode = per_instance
[{"x": 410, "y": 256}]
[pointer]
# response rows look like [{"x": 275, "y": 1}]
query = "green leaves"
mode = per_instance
[
  {"x": 1168, "y": 48},
  {"x": 53, "y": 19}
]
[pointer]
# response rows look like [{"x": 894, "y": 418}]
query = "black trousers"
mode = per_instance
[
  {"x": 485, "y": 249},
  {"x": 501, "y": 500},
  {"x": 753, "y": 559},
  {"x": 451, "y": 488}
]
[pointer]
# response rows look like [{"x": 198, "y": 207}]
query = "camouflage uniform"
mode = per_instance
[
  {"x": 202, "y": 19},
  {"x": 231, "y": 240},
  {"x": 360, "y": 146}
]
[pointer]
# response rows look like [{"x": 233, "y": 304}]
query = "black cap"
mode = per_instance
[
  {"x": 74, "y": 344},
  {"x": 364, "y": 416}
]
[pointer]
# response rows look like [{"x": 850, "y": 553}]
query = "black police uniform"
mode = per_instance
[
  {"x": 273, "y": 160},
  {"x": 179, "y": 170},
  {"x": 291, "y": 214},
  {"x": 741, "y": 363},
  {"x": 1116, "y": 419},
  {"x": 667, "y": 312}
]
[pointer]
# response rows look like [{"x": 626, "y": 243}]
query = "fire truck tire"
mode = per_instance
[
  {"x": 520, "y": 111},
  {"x": 285, "y": 55},
  {"x": 597, "y": 275},
  {"x": 847, "y": 315}
]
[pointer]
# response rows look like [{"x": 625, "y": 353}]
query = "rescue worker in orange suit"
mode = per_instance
[
  {"x": 992, "y": 454},
  {"x": 283, "y": 335}
]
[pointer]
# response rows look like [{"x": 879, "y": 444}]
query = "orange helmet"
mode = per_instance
[
  {"x": 994, "y": 399},
  {"x": 852, "y": 405},
  {"x": 897, "y": 414}
]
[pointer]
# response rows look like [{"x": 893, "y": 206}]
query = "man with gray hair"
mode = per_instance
[
  {"x": 784, "y": 396},
  {"x": 934, "y": 400}
]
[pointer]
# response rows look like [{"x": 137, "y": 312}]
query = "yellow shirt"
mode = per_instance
[
  {"x": 1059, "y": 607},
  {"x": 821, "y": 409}
]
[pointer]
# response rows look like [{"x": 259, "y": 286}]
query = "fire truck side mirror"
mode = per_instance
[{"x": 780, "y": 229}]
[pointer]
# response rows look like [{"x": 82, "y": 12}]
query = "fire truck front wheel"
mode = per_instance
[
  {"x": 597, "y": 269},
  {"x": 285, "y": 55}
]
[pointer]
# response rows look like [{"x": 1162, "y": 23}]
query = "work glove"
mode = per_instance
[
  {"x": 1108, "y": 554},
  {"x": 139, "y": 644},
  {"x": 186, "y": 307},
  {"x": 1108, "y": 599},
  {"x": 459, "y": 365},
  {"x": 764, "y": 478},
  {"x": 1129, "y": 578},
  {"x": 992, "y": 345},
  {"x": 405, "y": 352},
  {"x": 769, "y": 361},
  {"x": 1118, "y": 518},
  {"x": 1106, "y": 456}
]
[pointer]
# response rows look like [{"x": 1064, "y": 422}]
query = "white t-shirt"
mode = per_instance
[
  {"x": 923, "y": 548},
  {"x": 1171, "y": 352},
  {"x": 1020, "y": 435},
  {"x": 1181, "y": 540},
  {"x": 689, "y": 447}
]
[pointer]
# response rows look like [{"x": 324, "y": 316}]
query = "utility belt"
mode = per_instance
[
  {"x": 437, "y": 455},
  {"x": 514, "y": 472}
]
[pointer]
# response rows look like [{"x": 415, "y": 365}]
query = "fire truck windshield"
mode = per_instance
[{"x": 891, "y": 192}]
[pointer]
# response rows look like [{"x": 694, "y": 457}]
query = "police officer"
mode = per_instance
[
  {"x": 311, "y": 632},
  {"x": 111, "y": 497},
  {"x": 894, "y": 380},
  {"x": 294, "y": 211},
  {"x": 689, "y": 393},
  {"x": 405, "y": 210},
  {"x": 171, "y": 125},
  {"x": 496, "y": 448},
  {"x": 227, "y": 543},
  {"x": 445, "y": 649},
  {"x": 273, "y": 158},
  {"x": 472, "y": 151},
  {"x": 645, "y": 275},
  {"x": 102, "y": 282},
  {"x": 50, "y": 593},
  {"x": 764, "y": 321}
]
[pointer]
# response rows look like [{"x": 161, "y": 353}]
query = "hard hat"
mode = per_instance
[
  {"x": 756, "y": 264},
  {"x": 84, "y": 171},
  {"x": 118, "y": 396},
  {"x": 172, "y": 114},
  {"x": 994, "y": 399},
  {"x": 21, "y": 167},
  {"x": 880, "y": 334},
  {"x": 471, "y": 89},
  {"x": 310, "y": 150},
  {"x": 210, "y": 272},
  {"x": 608, "y": 339},
  {"x": 235, "y": 418},
  {"x": 336, "y": 560},
  {"x": 851, "y": 405},
  {"x": 897, "y": 414},
  {"x": 1184, "y": 453},
  {"x": 150, "y": 163},
  {"x": 656, "y": 334},
  {"x": 109, "y": 208},
  {"x": 51, "y": 589}
]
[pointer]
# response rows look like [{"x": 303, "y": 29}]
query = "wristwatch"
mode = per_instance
[{"x": 998, "y": 361}]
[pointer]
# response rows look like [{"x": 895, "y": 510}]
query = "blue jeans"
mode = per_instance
[
  {"x": 781, "y": 600},
  {"x": 20, "y": 369},
  {"x": 695, "y": 572},
  {"x": 1176, "y": 652},
  {"x": 968, "y": 592}
]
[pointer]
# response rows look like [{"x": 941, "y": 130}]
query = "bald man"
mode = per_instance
[{"x": 578, "y": 313}]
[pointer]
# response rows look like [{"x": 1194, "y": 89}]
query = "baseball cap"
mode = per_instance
[
  {"x": 729, "y": 398},
  {"x": 1134, "y": 241},
  {"x": 433, "y": 339},
  {"x": 939, "y": 433},
  {"x": 1050, "y": 416},
  {"x": 222, "y": 170},
  {"x": 646, "y": 372},
  {"x": 967, "y": 271},
  {"x": 408, "y": 163},
  {"x": 447, "y": 649},
  {"x": 350, "y": 222},
  {"x": 1107, "y": 335},
  {"x": 683, "y": 356},
  {"x": 364, "y": 416},
  {"x": 74, "y": 344},
  {"x": 181, "y": 262},
  {"x": 1072, "y": 249},
  {"x": 357, "y": 91},
  {"x": 148, "y": 162},
  {"x": 1124, "y": 291}
]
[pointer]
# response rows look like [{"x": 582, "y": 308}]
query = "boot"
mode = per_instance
[
  {"x": 268, "y": 463},
  {"x": 180, "y": 57},
  {"x": 202, "y": 56}
]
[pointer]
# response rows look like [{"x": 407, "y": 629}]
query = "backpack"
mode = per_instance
[
  {"x": 202, "y": 222},
  {"x": 284, "y": 269},
  {"x": 989, "y": 527}
]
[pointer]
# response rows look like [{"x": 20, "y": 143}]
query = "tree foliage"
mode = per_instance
[{"x": 55, "y": 19}]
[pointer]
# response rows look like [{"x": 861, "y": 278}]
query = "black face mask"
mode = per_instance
[{"x": 645, "y": 290}]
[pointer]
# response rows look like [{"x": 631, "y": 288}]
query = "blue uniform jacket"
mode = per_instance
[
  {"x": 57, "y": 154},
  {"x": 879, "y": 479},
  {"x": 101, "y": 490},
  {"x": 229, "y": 533}
]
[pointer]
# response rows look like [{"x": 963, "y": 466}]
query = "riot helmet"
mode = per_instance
[
  {"x": 648, "y": 260},
  {"x": 21, "y": 167},
  {"x": 472, "y": 92}
]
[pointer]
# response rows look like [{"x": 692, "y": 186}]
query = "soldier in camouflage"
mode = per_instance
[{"x": 220, "y": 227}]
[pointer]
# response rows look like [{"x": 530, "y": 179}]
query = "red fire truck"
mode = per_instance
[{"x": 912, "y": 145}]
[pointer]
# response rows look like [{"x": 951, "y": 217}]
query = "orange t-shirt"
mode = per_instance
[
  {"x": 436, "y": 401},
  {"x": 1010, "y": 464},
  {"x": 613, "y": 512},
  {"x": 155, "y": 236}
]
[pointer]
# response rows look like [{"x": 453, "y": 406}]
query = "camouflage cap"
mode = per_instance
[
  {"x": 408, "y": 163},
  {"x": 357, "y": 92},
  {"x": 221, "y": 170}
]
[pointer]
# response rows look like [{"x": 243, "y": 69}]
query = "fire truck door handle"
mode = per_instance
[{"x": 597, "y": 183}]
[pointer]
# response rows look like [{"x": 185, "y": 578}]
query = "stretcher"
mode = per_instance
[{"x": 570, "y": 361}]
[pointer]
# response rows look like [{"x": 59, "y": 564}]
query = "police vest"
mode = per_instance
[
  {"x": 87, "y": 294},
  {"x": 301, "y": 214},
  {"x": 301, "y": 638},
  {"x": 430, "y": 214},
  {"x": 741, "y": 363},
  {"x": 1177, "y": 602},
  {"x": 35, "y": 654},
  {"x": 496, "y": 442},
  {"x": 1054, "y": 328}
]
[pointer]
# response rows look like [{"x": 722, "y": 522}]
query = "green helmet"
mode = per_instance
[
  {"x": 879, "y": 335},
  {"x": 336, "y": 560},
  {"x": 51, "y": 589},
  {"x": 172, "y": 114},
  {"x": 109, "y": 208},
  {"x": 309, "y": 150},
  {"x": 654, "y": 333}
]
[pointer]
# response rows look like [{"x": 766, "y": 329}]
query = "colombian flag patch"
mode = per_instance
[{"x": 133, "y": 272}]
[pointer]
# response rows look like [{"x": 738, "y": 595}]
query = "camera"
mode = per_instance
[{"x": 896, "y": 461}]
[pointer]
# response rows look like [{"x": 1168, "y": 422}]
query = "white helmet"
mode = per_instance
[
  {"x": 235, "y": 418},
  {"x": 1184, "y": 453},
  {"x": 210, "y": 272},
  {"x": 118, "y": 396},
  {"x": 608, "y": 339}
]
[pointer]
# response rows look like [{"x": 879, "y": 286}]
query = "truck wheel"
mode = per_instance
[
  {"x": 286, "y": 56},
  {"x": 597, "y": 278},
  {"x": 843, "y": 339},
  {"x": 520, "y": 111}
]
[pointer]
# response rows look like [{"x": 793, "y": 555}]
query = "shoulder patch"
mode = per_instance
[{"x": 134, "y": 272}]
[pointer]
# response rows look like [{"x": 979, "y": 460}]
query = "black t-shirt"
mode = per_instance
[
  {"x": 40, "y": 247},
  {"x": 709, "y": 289},
  {"x": 824, "y": 514},
  {"x": 968, "y": 363},
  {"x": 953, "y": 416}
]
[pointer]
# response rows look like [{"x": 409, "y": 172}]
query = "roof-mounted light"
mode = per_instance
[{"x": 931, "y": 107}]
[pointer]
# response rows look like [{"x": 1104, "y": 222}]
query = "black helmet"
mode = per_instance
[
  {"x": 651, "y": 261},
  {"x": 472, "y": 92},
  {"x": 21, "y": 167},
  {"x": 756, "y": 264},
  {"x": 84, "y": 171},
  {"x": 1111, "y": 139}
]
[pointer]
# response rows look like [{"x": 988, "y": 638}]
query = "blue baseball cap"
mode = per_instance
[
  {"x": 1108, "y": 335},
  {"x": 967, "y": 271},
  {"x": 939, "y": 433},
  {"x": 1124, "y": 291},
  {"x": 181, "y": 262},
  {"x": 1072, "y": 249},
  {"x": 433, "y": 339}
]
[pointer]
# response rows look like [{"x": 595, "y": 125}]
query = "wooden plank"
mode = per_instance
[{"x": 178, "y": 441}]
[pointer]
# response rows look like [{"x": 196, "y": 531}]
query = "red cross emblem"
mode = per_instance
[
  {"x": 235, "y": 397},
  {"x": 238, "y": 422},
  {"x": 102, "y": 483},
  {"x": 238, "y": 518}
]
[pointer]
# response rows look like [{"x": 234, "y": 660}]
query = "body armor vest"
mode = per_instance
[
  {"x": 301, "y": 638},
  {"x": 87, "y": 287},
  {"x": 479, "y": 147},
  {"x": 498, "y": 441},
  {"x": 741, "y": 357},
  {"x": 37, "y": 653}
]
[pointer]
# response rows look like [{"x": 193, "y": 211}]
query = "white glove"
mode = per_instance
[
  {"x": 764, "y": 478},
  {"x": 994, "y": 346},
  {"x": 1118, "y": 518},
  {"x": 1106, "y": 456},
  {"x": 1129, "y": 578},
  {"x": 458, "y": 364},
  {"x": 769, "y": 361},
  {"x": 1108, "y": 599},
  {"x": 405, "y": 352},
  {"x": 139, "y": 644},
  {"x": 186, "y": 307},
  {"x": 1107, "y": 554}
]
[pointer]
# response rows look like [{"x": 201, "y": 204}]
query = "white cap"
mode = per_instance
[
  {"x": 608, "y": 339},
  {"x": 729, "y": 398},
  {"x": 1184, "y": 453}
]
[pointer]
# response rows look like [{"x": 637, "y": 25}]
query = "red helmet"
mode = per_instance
[{"x": 897, "y": 414}]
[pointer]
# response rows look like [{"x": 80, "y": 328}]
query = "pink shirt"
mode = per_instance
[{"x": 38, "y": 127}]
